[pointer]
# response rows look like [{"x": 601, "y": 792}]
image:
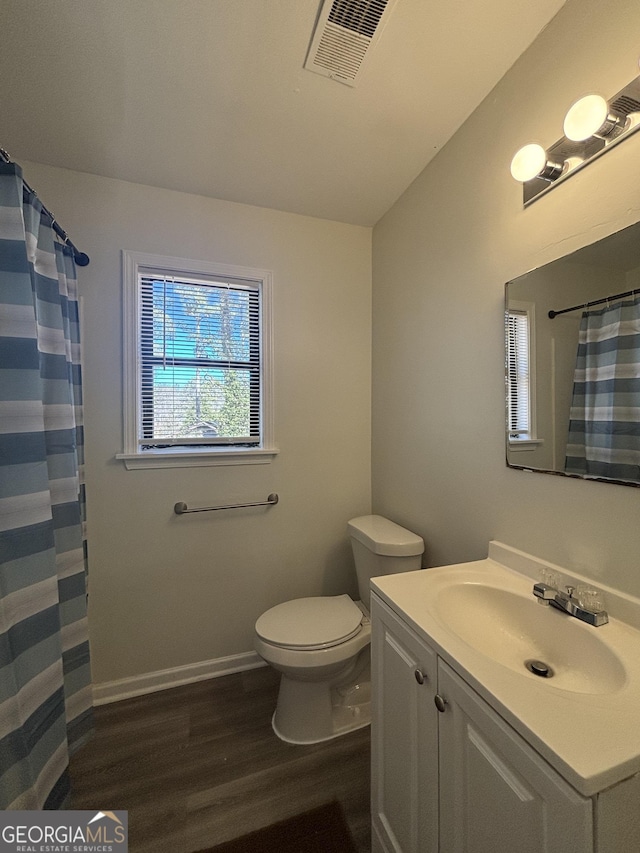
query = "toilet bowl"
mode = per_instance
[{"x": 321, "y": 644}]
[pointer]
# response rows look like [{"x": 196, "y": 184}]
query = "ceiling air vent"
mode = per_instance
[{"x": 344, "y": 36}]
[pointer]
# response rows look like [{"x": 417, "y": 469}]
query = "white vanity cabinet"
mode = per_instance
[
  {"x": 448, "y": 774},
  {"x": 404, "y": 731},
  {"x": 496, "y": 793}
]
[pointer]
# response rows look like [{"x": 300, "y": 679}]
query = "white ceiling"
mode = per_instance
[{"x": 210, "y": 96}]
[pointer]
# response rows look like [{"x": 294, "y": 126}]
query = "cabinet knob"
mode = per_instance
[
  {"x": 421, "y": 676},
  {"x": 441, "y": 702}
]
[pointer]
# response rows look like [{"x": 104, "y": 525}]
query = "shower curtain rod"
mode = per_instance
[
  {"x": 81, "y": 259},
  {"x": 553, "y": 314}
]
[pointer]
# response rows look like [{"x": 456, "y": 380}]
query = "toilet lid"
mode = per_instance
[{"x": 310, "y": 623}]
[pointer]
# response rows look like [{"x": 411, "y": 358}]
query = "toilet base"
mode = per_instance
[{"x": 312, "y": 712}]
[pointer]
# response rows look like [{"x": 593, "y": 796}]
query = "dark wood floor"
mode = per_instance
[{"x": 199, "y": 765}]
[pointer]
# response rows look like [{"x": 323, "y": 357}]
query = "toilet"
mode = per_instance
[{"x": 320, "y": 645}]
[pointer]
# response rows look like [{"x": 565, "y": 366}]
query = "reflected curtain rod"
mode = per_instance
[
  {"x": 553, "y": 314},
  {"x": 81, "y": 259}
]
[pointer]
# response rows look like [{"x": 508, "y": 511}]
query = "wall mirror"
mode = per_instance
[{"x": 572, "y": 343}]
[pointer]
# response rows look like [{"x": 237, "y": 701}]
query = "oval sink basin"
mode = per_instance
[{"x": 512, "y": 629}]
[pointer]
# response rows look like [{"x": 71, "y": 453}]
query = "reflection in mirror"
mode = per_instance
[{"x": 572, "y": 340}]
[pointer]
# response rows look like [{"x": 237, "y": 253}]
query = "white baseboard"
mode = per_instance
[{"x": 151, "y": 682}]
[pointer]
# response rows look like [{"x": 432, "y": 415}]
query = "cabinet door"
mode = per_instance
[
  {"x": 404, "y": 739},
  {"x": 496, "y": 793}
]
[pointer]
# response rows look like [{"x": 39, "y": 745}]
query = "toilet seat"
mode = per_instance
[{"x": 313, "y": 623}]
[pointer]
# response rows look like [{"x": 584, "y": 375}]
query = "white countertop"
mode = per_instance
[{"x": 591, "y": 738}]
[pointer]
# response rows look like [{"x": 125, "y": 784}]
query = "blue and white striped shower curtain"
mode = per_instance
[
  {"x": 45, "y": 692},
  {"x": 604, "y": 429}
]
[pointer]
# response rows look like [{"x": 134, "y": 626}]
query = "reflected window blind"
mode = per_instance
[
  {"x": 517, "y": 334},
  {"x": 200, "y": 371}
]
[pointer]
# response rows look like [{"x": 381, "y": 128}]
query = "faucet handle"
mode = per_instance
[
  {"x": 570, "y": 591},
  {"x": 549, "y": 577},
  {"x": 590, "y": 598}
]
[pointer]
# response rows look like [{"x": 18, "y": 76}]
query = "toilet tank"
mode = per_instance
[{"x": 382, "y": 547}]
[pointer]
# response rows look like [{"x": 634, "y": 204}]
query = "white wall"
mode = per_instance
[
  {"x": 168, "y": 591},
  {"x": 441, "y": 258}
]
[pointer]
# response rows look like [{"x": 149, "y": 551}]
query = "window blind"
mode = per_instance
[
  {"x": 518, "y": 408},
  {"x": 199, "y": 357}
]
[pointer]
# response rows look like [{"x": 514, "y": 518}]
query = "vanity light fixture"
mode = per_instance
[
  {"x": 531, "y": 162},
  {"x": 592, "y": 126},
  {"x": 591, "y": 116}
]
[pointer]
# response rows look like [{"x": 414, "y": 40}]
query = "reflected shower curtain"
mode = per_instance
[
  {"x": 45, "y": 693},
  {"x": 604, "y": 429}
]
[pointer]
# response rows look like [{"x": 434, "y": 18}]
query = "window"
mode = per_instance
[
  {"x": 520, "y": 374},
  {"x": 197, "y": 363}
]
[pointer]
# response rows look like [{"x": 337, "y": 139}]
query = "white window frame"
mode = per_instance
[
  {"x": 135, "y": 264},
  {"x": 527, "y": 440}
]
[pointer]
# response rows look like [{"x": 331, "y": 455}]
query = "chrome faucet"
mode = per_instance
[{"x": 565, "y": 601}]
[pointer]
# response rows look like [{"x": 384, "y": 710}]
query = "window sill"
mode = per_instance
[
  {"x": 525, "y": 444},
  {"x": 173, "y": 458}
]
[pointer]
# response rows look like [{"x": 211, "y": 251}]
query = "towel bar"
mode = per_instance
[{"x": 181, "y": 508}]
